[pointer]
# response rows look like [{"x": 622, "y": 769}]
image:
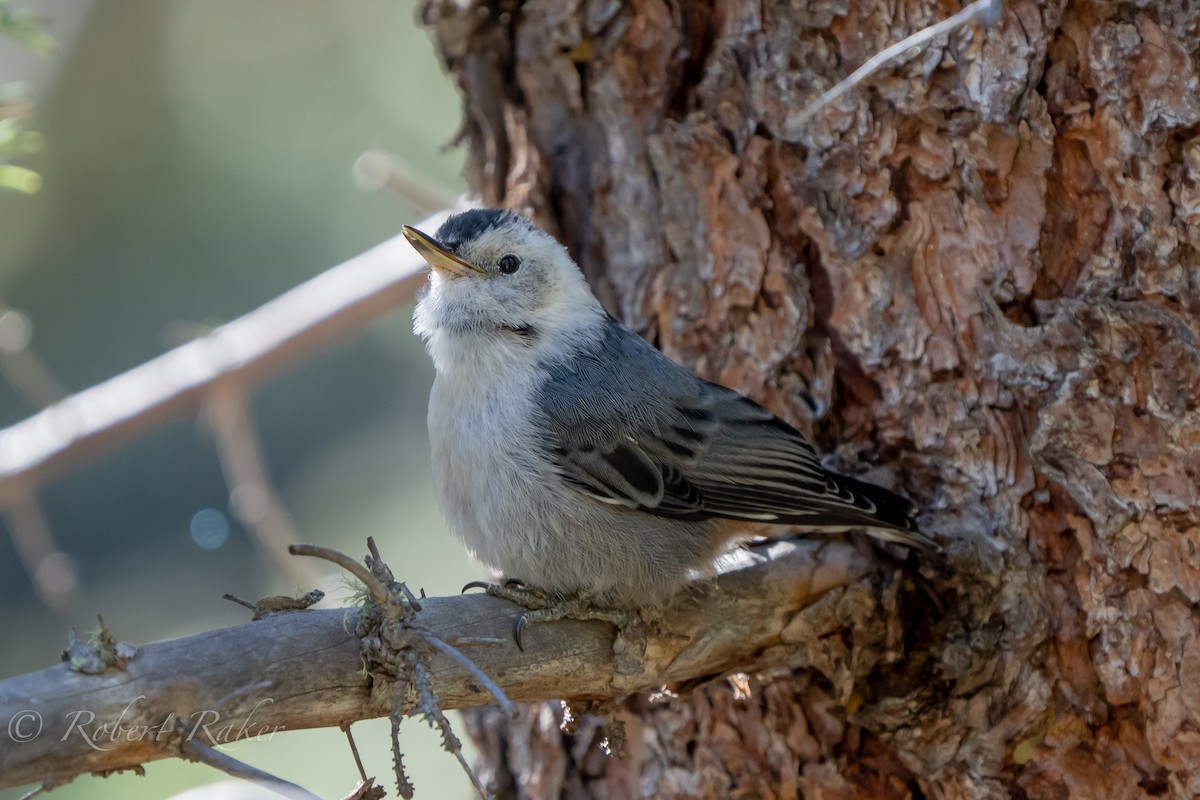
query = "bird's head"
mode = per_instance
[{"x": 498, "y": 278}]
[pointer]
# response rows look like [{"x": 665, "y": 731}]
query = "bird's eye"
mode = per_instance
[{"x": 509, "y": 264}]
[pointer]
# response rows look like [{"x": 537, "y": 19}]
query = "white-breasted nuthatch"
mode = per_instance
[{"x": 572, "y": 455}]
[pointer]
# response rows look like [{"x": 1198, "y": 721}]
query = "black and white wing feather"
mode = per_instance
[{"x": 631, "y": 428}]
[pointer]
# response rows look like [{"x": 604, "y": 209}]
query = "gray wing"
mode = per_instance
[{"x": 631, "y": 428}]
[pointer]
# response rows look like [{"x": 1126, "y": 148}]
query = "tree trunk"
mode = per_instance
[{"x": 977, "y": 271}]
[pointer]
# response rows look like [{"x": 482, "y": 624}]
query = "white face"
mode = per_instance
[{"x": 497, "y": 277}]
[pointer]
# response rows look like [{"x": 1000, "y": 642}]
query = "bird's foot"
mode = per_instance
[{"x": 544, "y": 607}]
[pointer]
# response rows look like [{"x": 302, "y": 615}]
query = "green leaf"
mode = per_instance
[
  {"x": 22, "y": 26},
  {"x": 19, "y": 179}
]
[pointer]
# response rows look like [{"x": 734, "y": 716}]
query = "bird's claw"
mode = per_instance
[
  {"x": 513, "y": 590},
  {"x": 519, "y": 623},
  {"x": 510, "y": 586}
]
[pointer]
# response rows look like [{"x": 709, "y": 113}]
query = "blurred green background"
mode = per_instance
[{"x": 196, "y": 163}]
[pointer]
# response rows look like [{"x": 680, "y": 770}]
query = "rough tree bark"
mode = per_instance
[{"x": 979, "y": 271}]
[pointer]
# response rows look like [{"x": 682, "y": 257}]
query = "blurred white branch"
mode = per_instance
[
  {"x": 375, "y": 170},
  {"x": 53, "y": 572},
  {"x": 217, "y": 372},
  {"x": 20, "y": 365},
  {"x": 253, "y": 498},
  {"x": 246, "y": 351}
]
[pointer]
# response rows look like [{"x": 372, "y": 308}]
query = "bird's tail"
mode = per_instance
[{"x": 878, "y": 511}]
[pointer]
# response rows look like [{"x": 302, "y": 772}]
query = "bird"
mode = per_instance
[{"x": 573, "y": 457}]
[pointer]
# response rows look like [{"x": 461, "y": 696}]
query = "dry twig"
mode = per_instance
[
  {"x": 396, "y": 644},
  {"x": 986, "y": 10}
]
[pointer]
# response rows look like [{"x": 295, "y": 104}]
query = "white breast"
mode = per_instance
[{"x": 493, "y": 477}]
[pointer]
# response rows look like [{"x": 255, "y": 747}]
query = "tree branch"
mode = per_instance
[
  {"x": 57, "y": 723},
  {"x": 246, "y": 351}
]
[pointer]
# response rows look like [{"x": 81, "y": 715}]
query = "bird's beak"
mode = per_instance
[{"x": 437, "y": 256}]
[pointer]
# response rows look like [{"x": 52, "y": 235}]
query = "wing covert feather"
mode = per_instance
[{"x": 632, "y": 428}]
